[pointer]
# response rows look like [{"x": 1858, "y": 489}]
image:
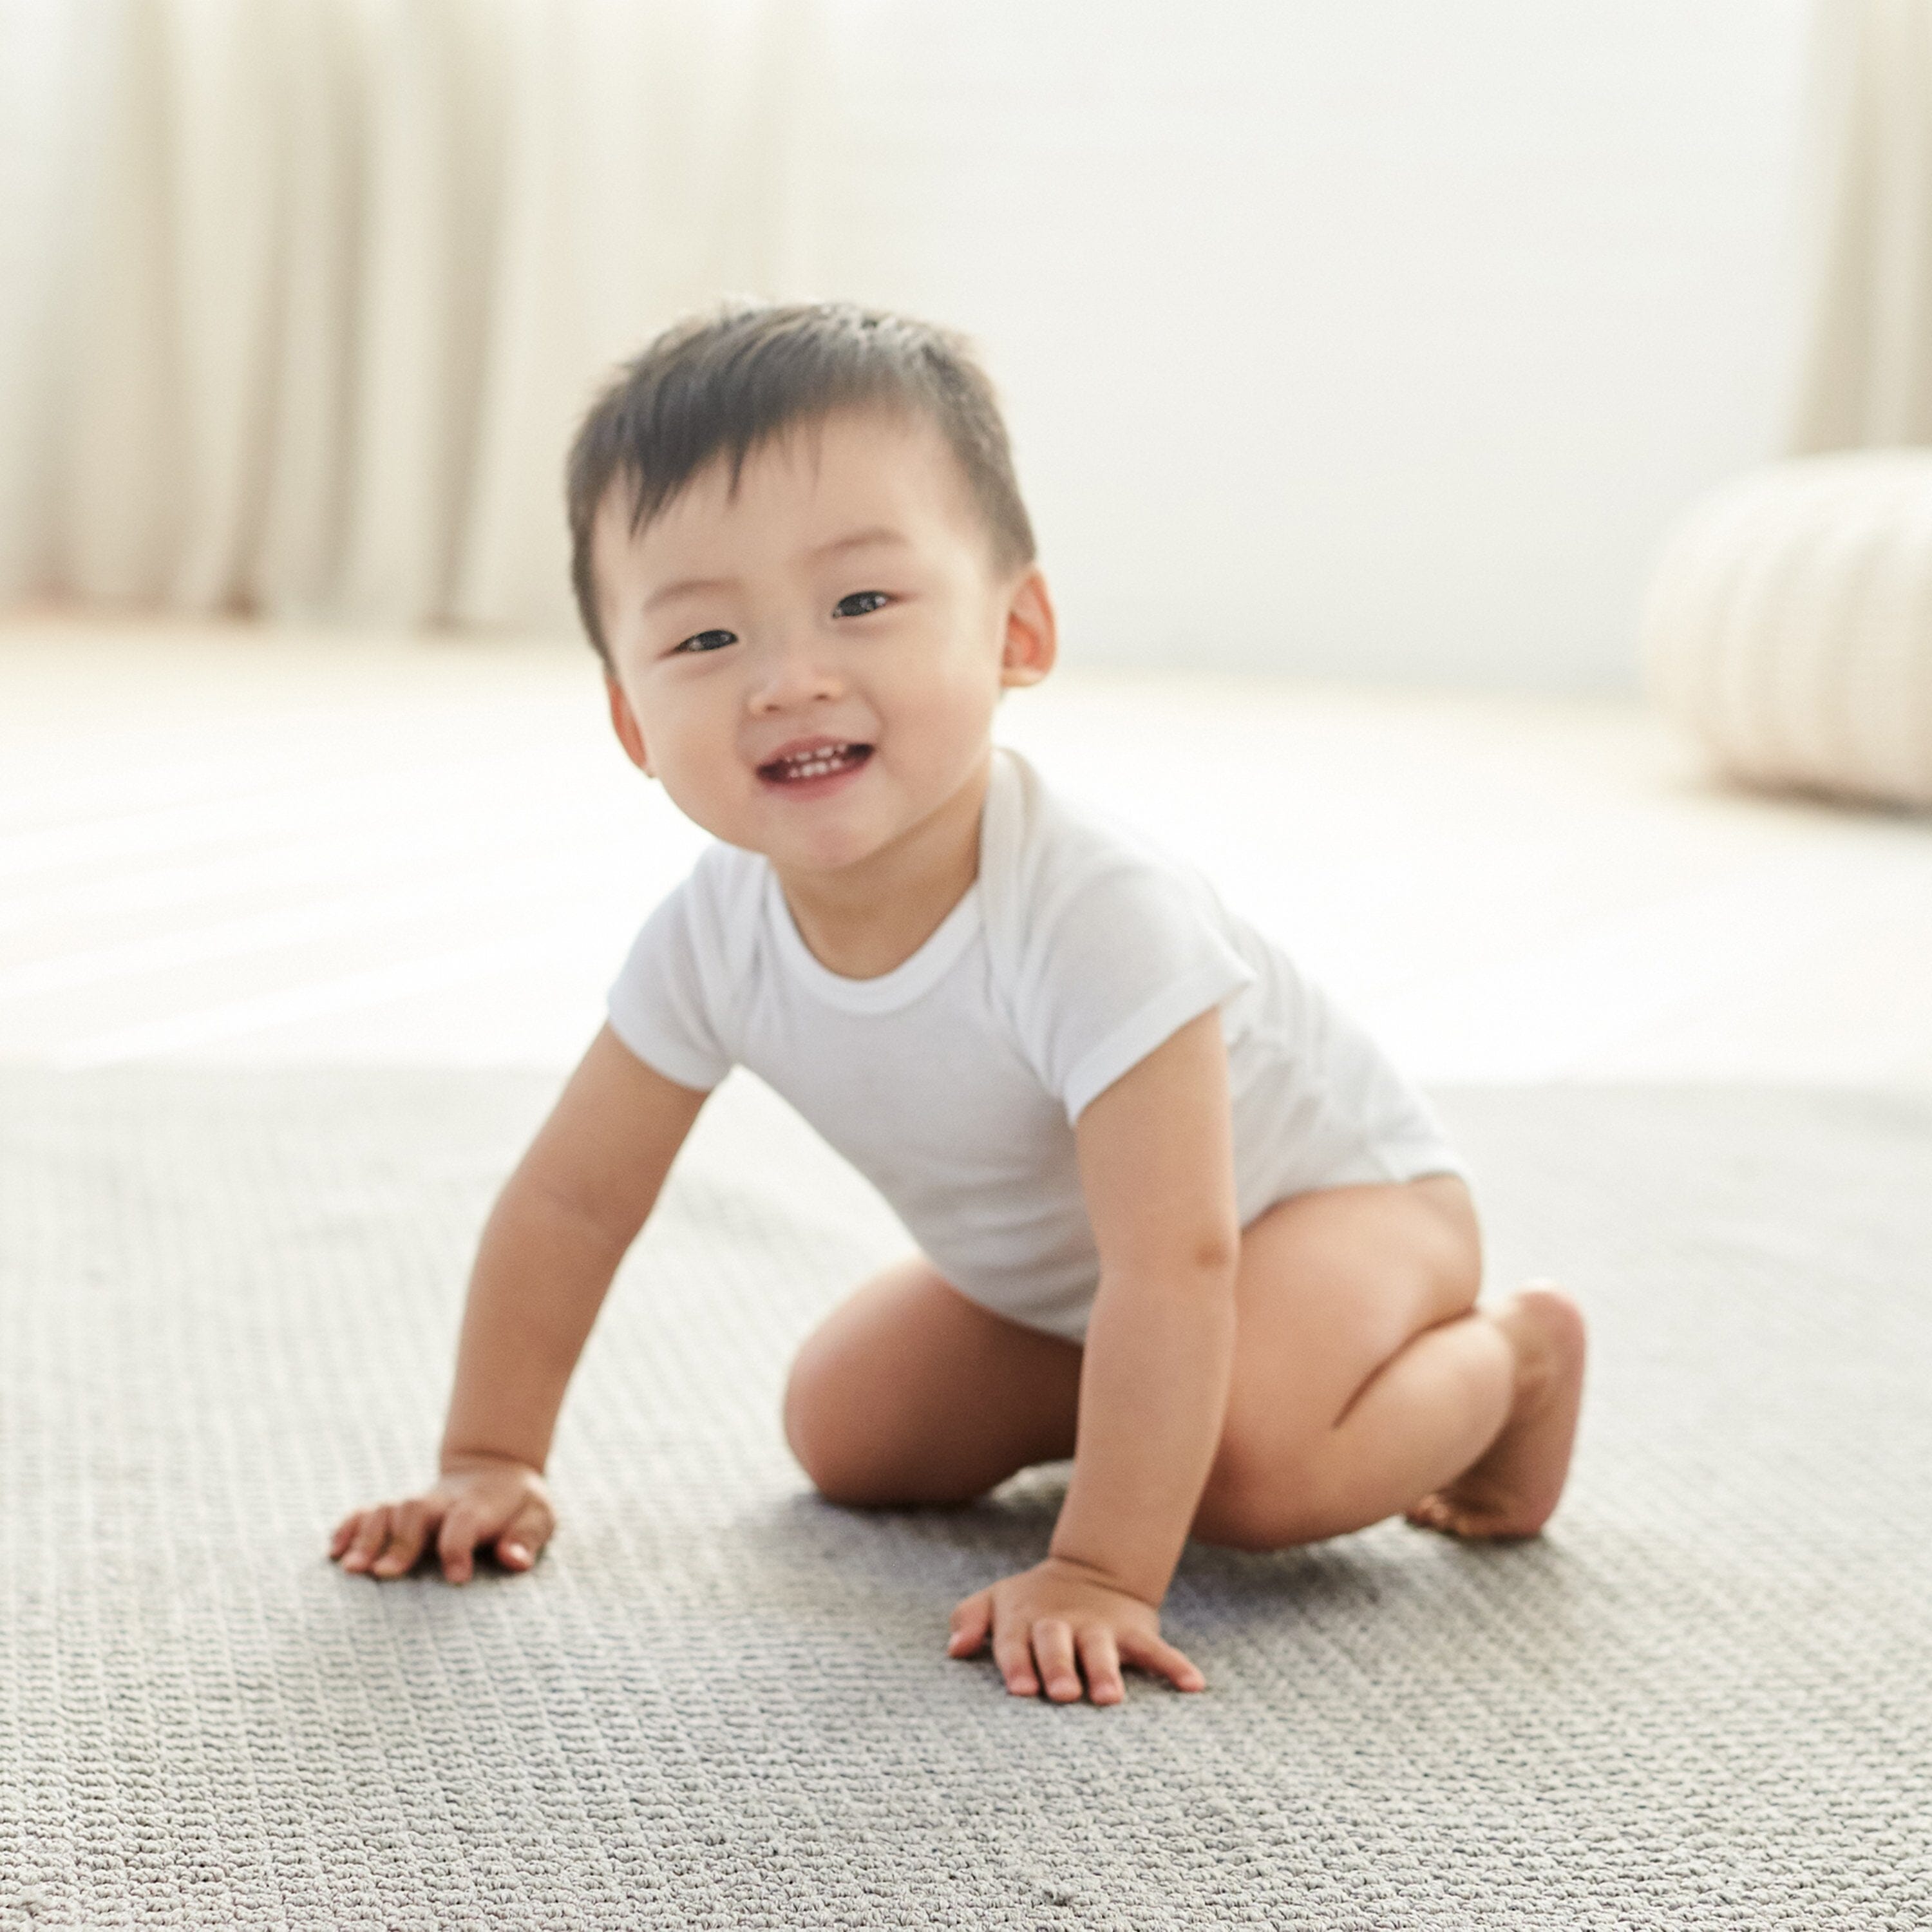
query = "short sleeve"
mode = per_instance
[
  {"x": 657, "y": 1003},
  {"x": 1129, "y": 957}
]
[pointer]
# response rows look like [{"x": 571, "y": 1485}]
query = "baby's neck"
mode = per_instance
[{"x": 864, "y": 921}]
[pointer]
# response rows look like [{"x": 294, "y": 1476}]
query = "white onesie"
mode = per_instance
[{"x": 952, "y": 1082}]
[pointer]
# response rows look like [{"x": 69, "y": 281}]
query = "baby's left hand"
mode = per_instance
[{"x": 1045, "y": 1618}]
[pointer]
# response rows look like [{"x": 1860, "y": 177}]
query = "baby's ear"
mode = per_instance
[
  {"x": 624, "y": 722},
  {"x": 1033, "y": 638}
]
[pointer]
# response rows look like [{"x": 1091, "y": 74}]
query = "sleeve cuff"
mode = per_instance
[
  {"x": 675, "y": 1062},
  {"x": 1131, "y": 1043}
]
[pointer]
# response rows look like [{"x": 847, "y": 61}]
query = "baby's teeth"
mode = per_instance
[{"x": 814, "y": 768}]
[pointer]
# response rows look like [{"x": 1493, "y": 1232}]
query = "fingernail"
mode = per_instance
[{"x": 516, "y": 1553}]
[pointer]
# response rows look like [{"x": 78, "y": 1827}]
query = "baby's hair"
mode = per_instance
[{"x": 723, "y": 382}]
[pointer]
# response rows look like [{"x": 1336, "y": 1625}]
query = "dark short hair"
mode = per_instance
[{"x": 723, "y": 382}]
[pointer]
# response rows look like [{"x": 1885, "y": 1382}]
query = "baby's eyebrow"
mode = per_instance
[
  {"x": 881, "y": 534},
  {"x": 685, "y": 589}
]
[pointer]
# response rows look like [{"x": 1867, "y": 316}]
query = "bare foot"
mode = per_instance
[{"x": 1511, "y": 1489}]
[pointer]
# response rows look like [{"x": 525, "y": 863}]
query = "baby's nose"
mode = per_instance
[{"x": 794, "y": 674}]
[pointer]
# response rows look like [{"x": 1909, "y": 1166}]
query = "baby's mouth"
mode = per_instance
[{"x": 819, "y": 763}]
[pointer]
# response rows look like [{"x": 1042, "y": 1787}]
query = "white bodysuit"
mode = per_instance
[{"x": 952, "y": 1082}]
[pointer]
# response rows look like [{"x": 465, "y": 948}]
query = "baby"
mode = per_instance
[{"x": 1178, "y": 1218}]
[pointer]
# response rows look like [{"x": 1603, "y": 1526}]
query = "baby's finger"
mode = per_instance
[
  {"x": 971, "y": 1621},
  {"x": 409, "y": 1529},
  {"x": 456, "y": 1543},
  {"x": 1013, "y": 1654},
  {"x": 1101, "y": 1661},
  {"x": 1053, "y": 1646},
  {"x": 339, "y": 1537},
  {"x": 1150, "y": 1653},
  {"x": 530, "y": 1529},
  {"x": 370, "y": 1535}
]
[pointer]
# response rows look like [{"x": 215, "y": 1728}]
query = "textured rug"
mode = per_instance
[{"x": 226, "y": 1308}]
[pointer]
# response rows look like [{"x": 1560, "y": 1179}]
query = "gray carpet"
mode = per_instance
[{"x": 227, "y": 1305}]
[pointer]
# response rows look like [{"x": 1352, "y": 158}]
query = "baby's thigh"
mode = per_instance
[
  {"x": 1331, "y": 1284},
  {"x": 909, "y": 1393}
]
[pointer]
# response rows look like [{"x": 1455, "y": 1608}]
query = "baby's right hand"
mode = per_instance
[{"x": 478, "y": 1501}]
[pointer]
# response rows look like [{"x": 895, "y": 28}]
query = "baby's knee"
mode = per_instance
[
  {"x": 847, "y": 1437},
  {"x": 819, "y": 1417},
  {"x": 839, "y": 1470},
  {"x": 1260, "y": 1494}
]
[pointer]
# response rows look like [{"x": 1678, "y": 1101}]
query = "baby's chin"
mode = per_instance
[{"x": 797, "y": 835}]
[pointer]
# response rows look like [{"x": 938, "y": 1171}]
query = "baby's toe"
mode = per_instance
[{"x": 1439, "y": 1513}]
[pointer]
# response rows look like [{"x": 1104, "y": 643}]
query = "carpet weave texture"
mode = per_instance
[{"x": 227, "y": 1306}]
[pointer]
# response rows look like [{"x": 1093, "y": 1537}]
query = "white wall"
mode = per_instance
[{"x": 1379, "y": 339}]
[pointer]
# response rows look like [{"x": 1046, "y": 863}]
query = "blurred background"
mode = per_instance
[
  {"x": 1380, "y": 340},
  {"x": 1364, "y": 363}
]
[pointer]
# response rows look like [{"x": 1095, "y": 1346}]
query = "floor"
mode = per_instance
[
  {"x": 1698, "y": 1704},
  {"x": 221, "y": 844}
]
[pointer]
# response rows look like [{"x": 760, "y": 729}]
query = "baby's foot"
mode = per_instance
[{"x": 1512, "y": 1488}]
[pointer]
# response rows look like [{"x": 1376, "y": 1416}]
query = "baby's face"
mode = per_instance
[{"x": 811, "y": 667}]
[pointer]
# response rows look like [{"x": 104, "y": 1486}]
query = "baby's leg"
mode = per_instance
[
  {"x": 1365, "y": 1382},
  {"x": 1512, "y": 1488},
  {"x": 908, "y": 1392}
]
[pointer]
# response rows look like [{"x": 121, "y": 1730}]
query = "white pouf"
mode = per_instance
[{"x": 1789, "y": 626}]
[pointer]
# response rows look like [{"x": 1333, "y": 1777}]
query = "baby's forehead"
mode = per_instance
[{"x": 875, "y": 465}]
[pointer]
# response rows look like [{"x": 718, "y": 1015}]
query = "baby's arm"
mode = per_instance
[
  {"x": 549, "y": 1250},
  {"x": 1157, "y": 1169},
  {"x": 1156, "y": 1165}
]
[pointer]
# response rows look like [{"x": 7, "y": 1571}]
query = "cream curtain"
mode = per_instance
[
  {"x": 301, "y": 300},
  {"x": 1356, "y": 338},
  {"x": 1866, "y": 374}
]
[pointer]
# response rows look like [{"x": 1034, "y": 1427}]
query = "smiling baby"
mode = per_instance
[{"x": 1177, "y": 1215}]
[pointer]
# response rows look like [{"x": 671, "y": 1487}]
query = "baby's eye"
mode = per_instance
[
  {"x": 698, "y": 642},
  {"x": 869, "y": 600}
]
